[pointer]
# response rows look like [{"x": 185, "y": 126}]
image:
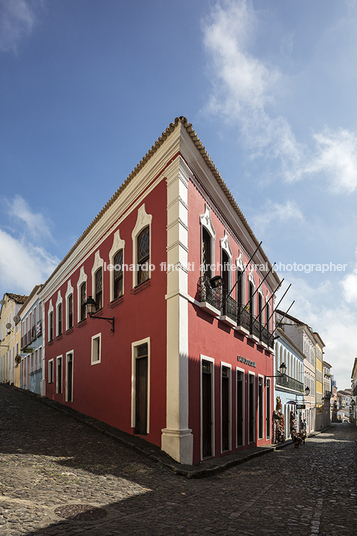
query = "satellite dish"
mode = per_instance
[
  {"x": 8, "y": 325},
  {"x": 17, "y": 319}
]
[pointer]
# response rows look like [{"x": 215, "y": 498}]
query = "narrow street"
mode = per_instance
[{"x": 58, "y": 476}]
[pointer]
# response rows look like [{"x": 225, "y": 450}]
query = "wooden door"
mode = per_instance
[{"x": 141, "y": 395}]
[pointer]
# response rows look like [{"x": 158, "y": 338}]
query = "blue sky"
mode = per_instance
[{"x": 87, "y": 86}]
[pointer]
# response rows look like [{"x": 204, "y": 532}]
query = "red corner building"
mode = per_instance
[{"x": 181, "y": 342}]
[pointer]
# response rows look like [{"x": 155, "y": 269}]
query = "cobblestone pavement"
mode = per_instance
[{"x": 60, "y": 477}]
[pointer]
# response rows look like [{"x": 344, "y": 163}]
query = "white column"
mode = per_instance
[{"x": 177, "y": 439}]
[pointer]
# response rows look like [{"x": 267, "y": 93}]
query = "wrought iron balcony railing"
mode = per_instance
[
  {"x": 230, "y": 308},
  {"x": 290, "y": 383}
]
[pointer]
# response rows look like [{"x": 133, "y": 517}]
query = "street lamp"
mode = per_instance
[
  {"x": 91, "y": 307},
  {"x": 307, "y": 390},
  {"x": 282, "y": 369}
]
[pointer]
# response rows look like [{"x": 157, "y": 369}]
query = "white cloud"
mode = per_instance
[
  {"x": 243, "y": 87},
  {"x": 17, "y": 20},
  {"x": 277, "y": 212},
  {"x": 36, "y": 224},
  {"x": 22, "y": 264},
  {"x": 336, "y": 158},
  {"x": 334, "y": 320},
  {"x": 349, "y": 286},
  {"x": 245, "y": 91}
]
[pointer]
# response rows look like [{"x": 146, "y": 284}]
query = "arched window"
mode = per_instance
[
  {"x": 118, "y": 275},
  {"x": 143, "y": 249},
  {"x": 99, "y": 288},
  {"x": 206, "y": 254},
  {"x": 83, "y": 299}
]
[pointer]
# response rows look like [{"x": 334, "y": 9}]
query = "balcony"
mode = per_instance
[
  {"x": 227, "y": 309},
  {"x": 210, "y": 298},
  {"x": 290, "y": 383}
]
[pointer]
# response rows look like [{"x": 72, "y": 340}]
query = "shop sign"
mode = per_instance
[
  {"x": 246, "y": 361},
  {"x": 300, "y": 406}
]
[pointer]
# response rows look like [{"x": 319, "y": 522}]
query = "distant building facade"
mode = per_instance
[
  {"x": 31, "y": 342},
  {"x": 10, "y": 338}
]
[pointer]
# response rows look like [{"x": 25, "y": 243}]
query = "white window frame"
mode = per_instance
[
  {"x": 260, "y": 376},
  {"x": 94, "y": 338},
  {"x": 134, "y": 345},
  {"x": 213, "y": 430},
  {"x": 206, "y": 222},
  {"x": 81, "y": 279},
  {"x": 50, "y": 310},
  {"x": 227, "y": 365},
  {"x": 58, "y": 359},
  {"x": 255, "y": 405},
  {"x": 224, "y": 243},
  {"x": 58, "y": 303},
  {"x": 268, "y": 429},
  {"x": 66, "y": 377},
  {"x": 50, "y": 371},
  {"x": 69, "y": 292},
  {"x": 118, "y": 244},
  {"x": 98, "y": 263},
  {"x": 143, "y": 220},
  {"x": 238, "y": 369}
]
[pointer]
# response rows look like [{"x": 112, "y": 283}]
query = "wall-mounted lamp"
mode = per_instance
[
  {"x": 282, "y": 369},
  {"x": 307, "y": 390},
  {"x": 91, "y": 307}
]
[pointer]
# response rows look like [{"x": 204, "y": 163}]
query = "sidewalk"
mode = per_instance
[{"x": 203, "y": 469}]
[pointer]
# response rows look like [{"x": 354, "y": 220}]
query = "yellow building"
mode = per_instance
[
  {"x": 10, "y": 338},
  {"x": 319, "y": 380}
]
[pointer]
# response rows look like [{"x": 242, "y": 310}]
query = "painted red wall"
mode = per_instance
[
  {"x": 210, "y": 337},
  {"x": 104, "y": 390}
]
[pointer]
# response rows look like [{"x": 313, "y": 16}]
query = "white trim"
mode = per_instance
[
  {"x": 51, "y": 371},
  {"x": 81, "y": 279},
  {"x": 118, "y": 244},
  {"x": 143, "y": 220},
  {"x": 238, "y": 369},
  {"x": 134, "y": 345},
  {"x": 71, "y": 352},
  {"x": 254, "y": 406},
  {"x": 58, "y": 358},
  {"x": 206, "y": 222},
  {"x": 177, "y": 438},
  {"x": 58, "y": 303},
  {"x": 213, "y": 429},
  {"x": 69, "y": 292},
  {"x": 263, "y": 405},
  {"x": 99, "y": 360},
  {"x": 227, "y": 365},
  {"x": 268, "y": 387},
  {"x": 50, "y": 310}
]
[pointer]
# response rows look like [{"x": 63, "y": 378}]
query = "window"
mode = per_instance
[
  {"x": 141, "y": 236},
  {"x": 70, "y": 311},
  {"x": 140, "y": 402},
  {"x": 96, "y": 349},
  {"x": 69, "y": 306},
  {"x": 118, "y": 275},
  {"x": 83, "y": 299},
  {"x": 81, "y": 295},
  {"x": 143, "y": 249},
  {"x": 69, "y": 377},
  {"x": 59, "y": 375},
  {"x": 99, "y": 288},
  {"x": 208, "y": 236},
  {"x": 260, "y": 408},
  {"x": 50, "y": 326},
  {"x": 59, "y": 319},
  {"x": 50, "y": 371},
  {"x": 206, "y": 254}
]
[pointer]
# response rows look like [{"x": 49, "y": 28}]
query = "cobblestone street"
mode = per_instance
[{"x": 59, "y": 476}]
